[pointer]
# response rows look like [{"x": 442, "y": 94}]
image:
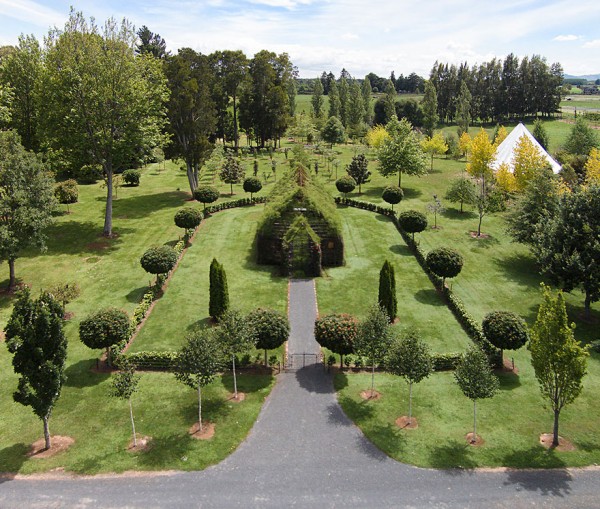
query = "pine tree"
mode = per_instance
[
  {"x": 317, "y": 100},
  {"x": 430, "y": 109},
  {"x": 334, "y": 100},
  {"x": 366, "y": 95},
  {"x": 219, "y": 293},
  {"x": 387, "y": 290}
]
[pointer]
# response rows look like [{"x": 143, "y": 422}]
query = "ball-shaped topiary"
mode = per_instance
[
  {"x": 271, "y": 328},
  {"x": 104, "y": 328},
  {"x": 337, "y": 333},
  {"x": 66, "y": 192},
  {"x": 206, "y": 194},
  {"x": 252, "y": 185},
  {"x": 345, "y": 184},
  {"x": 505, "y": 330},
  {"x": 132, "y": 177},
  {"x": 412, "y": 221},
  {"x": 159, "y": 260},
  {"x": 444, "y": 262},
  {"x": 188, "y": 218},
  {"x": 392, "y": 195}
]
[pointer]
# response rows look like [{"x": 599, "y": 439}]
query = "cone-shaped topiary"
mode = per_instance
[
  {"x": 219, "y": 294},
  {"x": 387, "y": 290}
]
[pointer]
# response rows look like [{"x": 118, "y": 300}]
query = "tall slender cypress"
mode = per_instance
[{"x": 387, "y": 290}]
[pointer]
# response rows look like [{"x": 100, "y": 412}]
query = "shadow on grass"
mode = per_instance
[
  {"x": 401, "y": 249},
  {"x": 429, "y": 296},
  {"x": 166, "y": 451},
  {"x": 340, "y": 381},
  {"x": 314, "y": 379},
  {"x": 410, "y": 193},
  {"x": 136, "y": 295},
  {"x": 11, "y": 460},
  {"x": 246, "y": 383},
  {"x": 385, "y": 437},
  {"x": 520, "y": 268},
  {"x": 453, "y": 213},
  {"x": 80, "y": 374},
  {"x": 534, "y": 457},
  {"x": 137, "y": 207},
  {"x": 483, "y": 242},
  {"x": 455, "y": 456},
  {"x": 357, "y": 411},
  {"x": 508, "y": 381},
  {"x": 274, "y": 271},
  {"x": 204, "y": 323}
]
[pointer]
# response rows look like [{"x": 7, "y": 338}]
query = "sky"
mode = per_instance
[{"x": 327, "y": 35}]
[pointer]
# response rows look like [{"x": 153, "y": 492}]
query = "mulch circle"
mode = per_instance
[
  {"x": 482, "y": 236},
  {"x": 241, "y": 396},
  {"x": 404, "y": 423},
  {"x": 564, "y": 445},
  {"x": 143, "y": 443},
  {"x": 507, "y": 367},
  {"x": 208, "y": 431},
  {"x": 370, "y": 395},
  {"x": 478, "y": 442},
  {"x": 2, "y": 336},
  {"x": 68, "y": 315},
  {"x": 58, "y": 444}
]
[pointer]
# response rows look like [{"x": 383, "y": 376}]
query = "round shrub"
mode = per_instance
[
  {"x": 206, "y": 194},
  {"x": 159, "y": 260},
  {"x": 66, "y": 192},
  {"x": 337, "y": 333},
  {"x": 271, "y": 328},
  {"x": 132, "y": 177},
  {"x": 505, "y": 330},
  {"x": 412, "y": 221},
  {"x": 444, "y": 262},
  {"x": 104, "y": 328},
  {"x": 89, "y": 174},
  {"x": 345, "y": 184},
  {"x": 392, "y": 195},
  {"x": 252, "y": 185},
  {"x": 188, "y": 218}
]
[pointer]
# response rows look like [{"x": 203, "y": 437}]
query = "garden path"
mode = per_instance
[{"x": 304, "y": 452}]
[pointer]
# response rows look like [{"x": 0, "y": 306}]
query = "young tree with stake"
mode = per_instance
[{"x": 124, "y": 385}]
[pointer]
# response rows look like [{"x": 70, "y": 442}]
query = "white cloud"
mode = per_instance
[
  {"x": 563, "y": 38},
  {"x": 288, "y": 4},
  {"x": 32, "y": 12},
  {"x": 592, "y": 44}
]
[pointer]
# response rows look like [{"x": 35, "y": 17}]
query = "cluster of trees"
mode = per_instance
[
  {"x": 498, "y": 89},
  {"x": 413, "y": 83}
]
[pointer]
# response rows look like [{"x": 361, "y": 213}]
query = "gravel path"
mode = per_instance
[{"x": 304, "y": 452}]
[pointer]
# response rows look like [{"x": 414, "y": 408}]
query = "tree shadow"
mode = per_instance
[
  {"x": 200, "y": 324},
  {"x": 12, "y": 459},
  {"x": 312, "y": 378},
  {"x": 429, "y": 296},
  {"x": 81, "y": 375},
  {"x": 340, "y": 381},
  {"x": 136, "y": 295},
  {"x": 411, "y": 193},
  {"x": 455, "y": 457},
  {"x": 401, "y": 249},
  {"x": 452, "y": 213},
  {"x": 356, "y": 411},
  {"x": 389, "y": 436},
  {"x": 520, "y": 268},
  {"x": 166, "y": 451},
  {"x": 246, "y": 383},
  {"x": 508, "y": 380},
  {"x": 534, "y": 457},
  {"x": 140, "y": 206},
  {"x": 484, "y": 242}
]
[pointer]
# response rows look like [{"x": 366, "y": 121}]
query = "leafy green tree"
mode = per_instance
[
  {"x": 188, "y": 219},
  {"x": 124, "y": 385},
  {"x": 252, "y": 185},
  {"x": 582, "y": 138},
  {"x": 412, "y": 221},
  {"x": 150, "y": 43},
  {"x": 401, "y": 152},
  {"x": 333, "y": 131},
  {"x": 236, "y": 336},
  {"x": 105, "y": 328},
  {"x": 344, "y": 90},
  {"x": 358, "y": 169},
  {"x": 318, "y": 101},
  {"x": 392, "y": 195},
  {"x": 558, "y": 360},
  {"x": 219, "y": 293},
  {"x": 366, "y": 96},
  {"x": 65, "y": 293},
  {"x": 232, "y": 172},
  {"x": 476, "y": 380},
  {"x": 505, "y": 330},
  {"x": 26, "y": 201},
  {"x": 206, "y": 194},
  {"x": 66, "y": 192},
  {"x": 132, "y": 177},
  {"x": 198, "y": 362},
  {"x": 540, "y": 133},
  {"x": 430, "y": 109},
  {"x": 389, "y": 100},
  {"x": 387, "y": 290},
  {"x": 566, "y": 246},
  {"x": 463, "y": 108},
  {"x": 461, "y": 190},
  {"x": 103, "y": 104},
  {"x": 35, "y": 337},
  {"x": 435, "y": 207},
  {"x": 411, "y": 359},
  {"x": 356, "y": 110},
  {"x": 444, "y": 262},
  {"x": 272, "y": 328},
  {"x": 345, "y": 184},
  {"x": 159, "y": 260},
  {"x": 334, "y": 100},
  {"x": 434, "y": 145},
  {"x": 337, "y": 332},
  {"x": 190, "y": 109},
  {"x": 373, "y": 338}
]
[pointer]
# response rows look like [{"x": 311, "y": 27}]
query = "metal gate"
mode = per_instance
[{"x": 296, "y": 361}]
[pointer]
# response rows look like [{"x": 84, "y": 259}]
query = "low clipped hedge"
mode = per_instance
[
  {"x": 365, "y": 205},
  {"x": 242, "y": 202},
  {"x": 159, "y": 361}
]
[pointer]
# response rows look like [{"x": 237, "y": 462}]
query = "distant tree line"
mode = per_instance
[{"x": 499, "y": 89}]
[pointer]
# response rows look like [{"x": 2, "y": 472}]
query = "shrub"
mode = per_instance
[
  {"x": 218, "y": 292},
  {"x": 387, "y": 290},
  {"x": 392, "y": 195},
  {"x": 132, "y": 177},
  {"x": 412, "y": 221},
  {"x": 444, "y": 262},
  {"x": 89, "y": 174},
  {"x": 337, "y": 332},
  {"x": 505, "y": 330},
  {"x": 66, "y": 192},
  {"x": 345, "y": 184},
  {"x": 206, "y": 194},
  {"x": 159, "y": 260},
  {"x": 271, "y": 328},
  {"x": 252, "y": 185},
  {"x": 188, "y": 218},
  {"x": 104, "y": 328}
]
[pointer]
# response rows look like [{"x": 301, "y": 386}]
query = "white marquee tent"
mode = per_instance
[{"x": 505, "y": 151}]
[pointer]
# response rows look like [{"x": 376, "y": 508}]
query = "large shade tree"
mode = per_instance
[{"x": 103, "y": 104}]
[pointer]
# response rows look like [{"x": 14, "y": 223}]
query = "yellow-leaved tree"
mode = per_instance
[
  {"x": 527, "y": 160},
  {"x": 434, "y": 145},
  {"x": 464, "y": 144},
  {"x": 505, "y": 179},
  {"x": 592, "y": 167},
  {"x": 500, "y": 135},
  {"x": 376, "y": 136},
  {"x": 480, "y": 167}
]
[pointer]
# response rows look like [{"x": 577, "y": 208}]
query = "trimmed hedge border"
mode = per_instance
[{"x": 468, "y": 323}]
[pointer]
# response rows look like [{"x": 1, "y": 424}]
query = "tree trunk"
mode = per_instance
[
  {"x": 479, "y": 225},
  {"x": 191, "y": 177},
  {"x": 372, "y": 378},
  {"x": 341, "y": 362},
  {"x": 409, "y": 403},
  {"x": 12, "y": 280},
  {"x": 265, "y": 357},
  {"x": 234, "y": 378},
  {"x": 461, "y": 206},
  {"x": 399, "y": 178},
  {"x": 46, "y": 431},
  {"x": 555, "y": 430},
  {"x": 235, "y": 126},
  {"x": 474, "y": 438},
  {"x": 587, "y": 305},
  {"x": 231, "y": 187},
  {"x": 199, "y": 408},
  {"x": 132, "y": 423},
  {"x": 109, "y": 202}
]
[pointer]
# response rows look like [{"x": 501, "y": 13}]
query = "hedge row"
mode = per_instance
[
  {"x": 160, "y": 361},
  {"x": 365, "y": 205},
  {"x": 445, "y": 361},
  {"x": 242, "y": 202},
  {"x": 468, "y": 323}
]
